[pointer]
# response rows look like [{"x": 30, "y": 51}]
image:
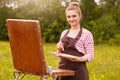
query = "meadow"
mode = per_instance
[{"x": 105, "y": 66}]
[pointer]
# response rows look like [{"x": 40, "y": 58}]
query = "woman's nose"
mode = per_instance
[{"x": 71, "y": 19}]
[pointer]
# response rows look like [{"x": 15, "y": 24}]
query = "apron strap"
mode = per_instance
[
  {"x": 66, "y": 32},
  {"x": 79, "y": 34}
]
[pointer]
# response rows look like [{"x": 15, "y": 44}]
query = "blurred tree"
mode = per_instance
[
  {"x": 5, "y": 13},
  {"x": 50, "y": 13},
  {"x": 88, "y": 9},
  {"x": 112, "y": 7},
  {"x": 101, "y": 19},
  {"x": 104, "y": 29},
  {"x": 90, "y": 12}
]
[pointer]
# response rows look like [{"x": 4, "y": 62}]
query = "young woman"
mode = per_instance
[{"x": 76, "y": 42}]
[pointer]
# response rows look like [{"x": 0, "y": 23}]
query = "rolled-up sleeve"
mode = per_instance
[
  {"x": 90, "y": 52},
  {"x": 86, "y": 45},
  {"x": 89, "y": 47}
]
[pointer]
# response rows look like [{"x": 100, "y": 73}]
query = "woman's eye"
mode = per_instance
[
  {"x": 68, "y": 16},
  {"x": 73, "y": 15}
]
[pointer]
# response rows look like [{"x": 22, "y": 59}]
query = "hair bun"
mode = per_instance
[{"x": 74, "y": 4}]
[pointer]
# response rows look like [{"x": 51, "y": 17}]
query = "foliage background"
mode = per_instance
[{"x": 102, "y": 19}]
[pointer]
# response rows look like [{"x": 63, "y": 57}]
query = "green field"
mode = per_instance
[{"x": 106, "y": 64}]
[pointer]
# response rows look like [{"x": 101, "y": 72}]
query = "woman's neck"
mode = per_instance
[
  {"x": 75, "y": 27},
  {"x": 74, "y": 30}
]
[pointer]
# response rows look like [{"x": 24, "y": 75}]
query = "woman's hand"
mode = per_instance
[{"x": 60, "y": 47}]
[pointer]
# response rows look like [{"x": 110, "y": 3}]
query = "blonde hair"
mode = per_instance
[{"x": 74, "y": 6}]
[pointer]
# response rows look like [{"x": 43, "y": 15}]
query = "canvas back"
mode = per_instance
[{"x": 26, "y": 46}]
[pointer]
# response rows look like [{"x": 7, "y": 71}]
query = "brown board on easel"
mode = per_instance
[{"x": 26, "y": 46}]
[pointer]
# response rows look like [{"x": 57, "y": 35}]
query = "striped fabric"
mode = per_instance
[{"x": 85, "y": 44}]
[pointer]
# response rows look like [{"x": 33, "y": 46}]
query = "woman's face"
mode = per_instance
[{"x": 73, "y": 17}]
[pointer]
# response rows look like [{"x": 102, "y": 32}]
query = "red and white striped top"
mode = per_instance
[{"x": 85, "y": 44}]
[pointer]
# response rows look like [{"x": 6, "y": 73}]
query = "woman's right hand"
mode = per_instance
[{"x": 60, "y": 47}]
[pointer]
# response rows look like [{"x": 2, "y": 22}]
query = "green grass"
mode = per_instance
[{"x": 105, "y": 66}]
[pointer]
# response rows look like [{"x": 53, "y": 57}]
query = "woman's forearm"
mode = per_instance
[
  {"x": 78, "y": 59},
  {"x": 73, "y": 58}
]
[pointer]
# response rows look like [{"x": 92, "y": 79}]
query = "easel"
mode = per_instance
[{"x": 27, "y": 50}]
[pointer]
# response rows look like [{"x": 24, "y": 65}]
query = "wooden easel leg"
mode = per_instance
[
  {"x": 57, "y": 78},
  {"x": 17, "y": 75},
  {"x": 44, "y": 77}
]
